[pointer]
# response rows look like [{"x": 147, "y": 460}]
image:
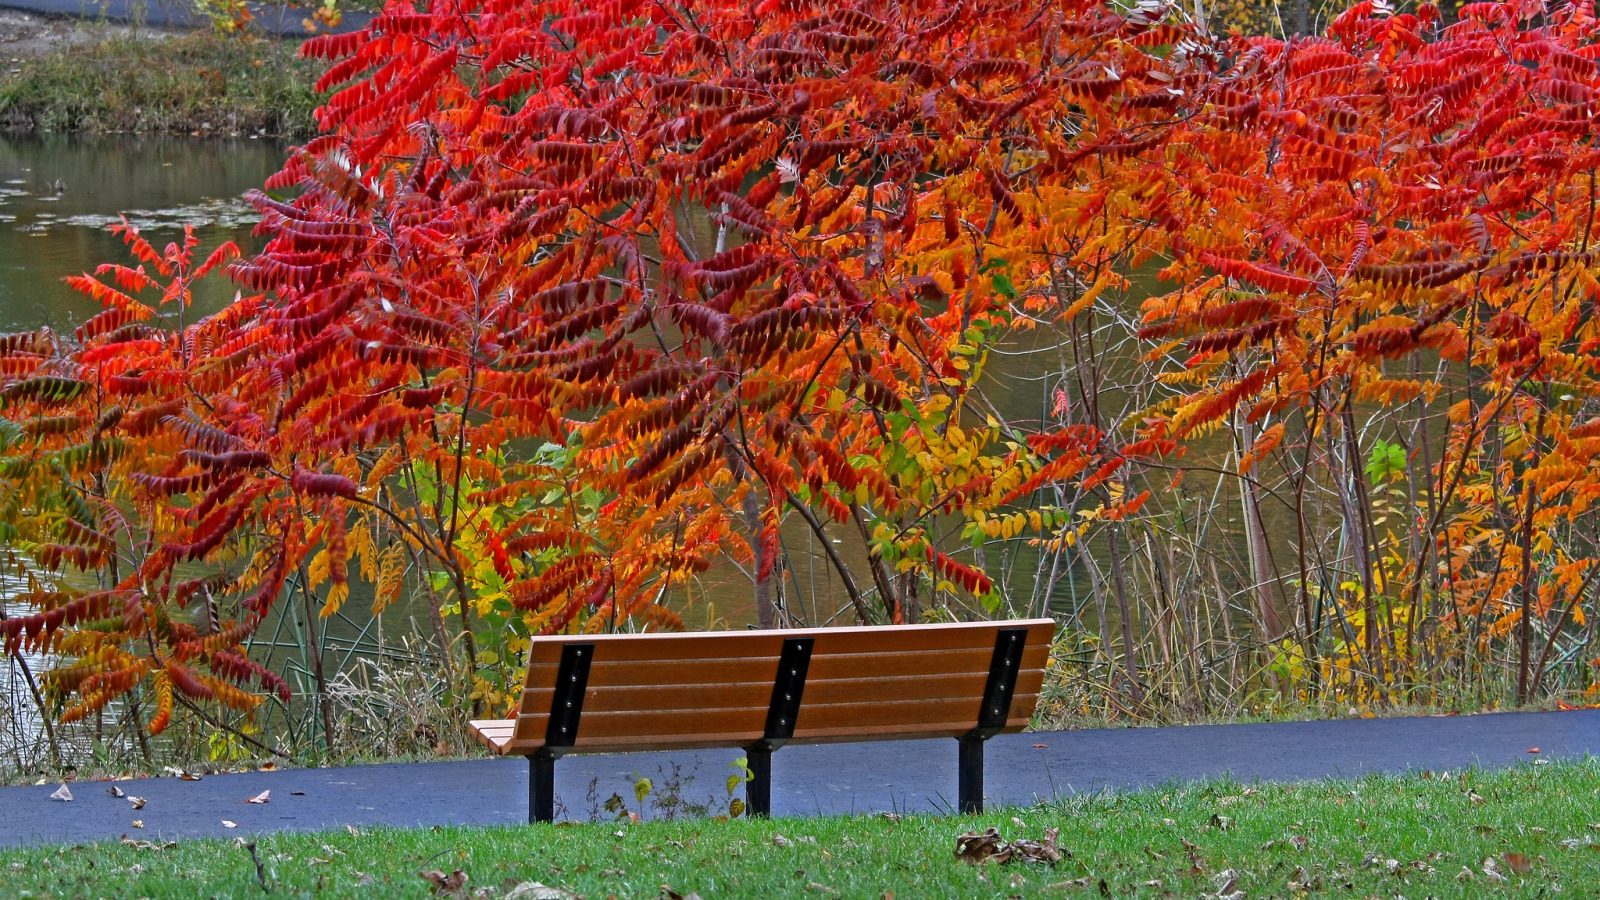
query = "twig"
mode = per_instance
[{"x": 261, "y": 870}]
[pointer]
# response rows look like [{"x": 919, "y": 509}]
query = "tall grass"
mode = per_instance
[{"x": 198, "y": 83}]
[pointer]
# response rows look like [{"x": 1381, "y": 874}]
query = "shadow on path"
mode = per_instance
[{"x": 807, "y": 780}]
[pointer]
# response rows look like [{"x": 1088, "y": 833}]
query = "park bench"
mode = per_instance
[{"x": 760, "y": 690}]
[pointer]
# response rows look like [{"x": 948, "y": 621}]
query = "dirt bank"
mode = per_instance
[{"x": 80, "y": 76}]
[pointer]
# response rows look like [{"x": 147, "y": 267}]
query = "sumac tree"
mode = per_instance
[{"x": 734, "y": 268}]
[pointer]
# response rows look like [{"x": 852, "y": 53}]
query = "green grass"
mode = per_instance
[
  {"x": 172, "y": 84},
  {"x": 1372, "y": 837}
]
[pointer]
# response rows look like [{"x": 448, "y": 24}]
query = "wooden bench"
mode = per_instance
[{"x": 762, "y": 689}]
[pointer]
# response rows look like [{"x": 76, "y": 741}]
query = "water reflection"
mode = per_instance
[{"x": 59, "y": 192}]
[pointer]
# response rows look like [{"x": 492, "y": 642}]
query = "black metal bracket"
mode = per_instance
[
  {"x": 566, "y": 708},
  {"x": 787, "y": 688},
  {"x": 1003, "y": 668}
]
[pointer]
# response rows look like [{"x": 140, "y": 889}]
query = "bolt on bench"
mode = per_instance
[{"x": 762, "y": 689}]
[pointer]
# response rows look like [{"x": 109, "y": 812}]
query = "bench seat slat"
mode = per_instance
[
  {"x": 605, "y": 672},
  {"x": 718, "y": 645},
  {"x": 621, "y": 731},
  {"x": 755, "y": 695},
  {"x": 646, "y": 742},
  {"x": 757, "y": 673}
]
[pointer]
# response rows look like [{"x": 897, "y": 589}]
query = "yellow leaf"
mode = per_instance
[
  {"x": 391, "y": 577},
  {"x": 336, "y": 597},
  {"x": 317, "y": 573}
]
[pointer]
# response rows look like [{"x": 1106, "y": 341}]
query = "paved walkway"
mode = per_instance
[
  {"x": 284, "y": 21},
  {"x": 807, "y": 780}
]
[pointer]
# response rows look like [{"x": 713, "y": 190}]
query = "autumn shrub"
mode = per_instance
[{"x": 573, "y": 309}]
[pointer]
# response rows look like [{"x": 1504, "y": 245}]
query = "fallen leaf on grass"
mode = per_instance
[
  {"x": 1492, "y": 870},
  {"x": 1075, "y": 883},
  {"x": 976, "y": 847},
  {"x": 1517, "y": 863},
  {"x": 115, "y": 791},
  {"x": 354, "y": 831},
  {"x": 779, "y": 840},
  {"x": 63, "y": 794},
  {"x": 136, "y": 802},
  {"x": 227, "y": 824},
  {"x": 1221, "y": 822},
  {"x": 1045, "y": 851},
  {"x": 979, "y": 847},
  {"x": 147, "y": 845},
  {"x": 452, "y": 885},
  {"x": 263, "y": 797},
  {"x": 533, "y": 890},
  {"x": 671, "y": 894},
  {"x": 1302, "y": 880}
]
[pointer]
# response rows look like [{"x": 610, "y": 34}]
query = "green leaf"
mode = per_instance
[
  {"x": 1386, "y": 462},
  {"x": 1003, "y": 286}
]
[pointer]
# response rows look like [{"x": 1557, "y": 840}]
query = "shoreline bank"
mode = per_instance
[{"x": 76, "y": 75}]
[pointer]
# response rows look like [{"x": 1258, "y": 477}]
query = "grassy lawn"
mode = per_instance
[{"x": 1533, "y": 831}]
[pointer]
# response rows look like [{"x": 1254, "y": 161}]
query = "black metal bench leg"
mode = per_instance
[
  {"x": 971, "y": 775},
  {"x": 541, "y": 788},
  {"x": 758, "y": 790}
]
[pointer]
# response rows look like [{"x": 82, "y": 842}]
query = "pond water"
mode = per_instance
[{"x": 58, "y": 194}]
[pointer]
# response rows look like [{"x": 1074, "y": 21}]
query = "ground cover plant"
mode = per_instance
[
  {"x": 1525, "y": 832},
  {"x": 573, "y": 310},
  {"x": 132, "y": 82}
]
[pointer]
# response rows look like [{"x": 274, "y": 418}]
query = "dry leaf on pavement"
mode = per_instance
[
  {"x": 227, "y": 824},
  {"x": 115, "y": 791},
  {"x": 263, "y": 797},
  {"x": 62, "y": 793},
  {"x": 138, "y": 802}
]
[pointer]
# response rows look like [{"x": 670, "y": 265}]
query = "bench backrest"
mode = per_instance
[{"x": 666, "y": 691}]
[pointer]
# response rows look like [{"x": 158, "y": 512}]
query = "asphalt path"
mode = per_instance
[
  {"x": 274, "y": 19},
  {"x": 894, "y": 776}
]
